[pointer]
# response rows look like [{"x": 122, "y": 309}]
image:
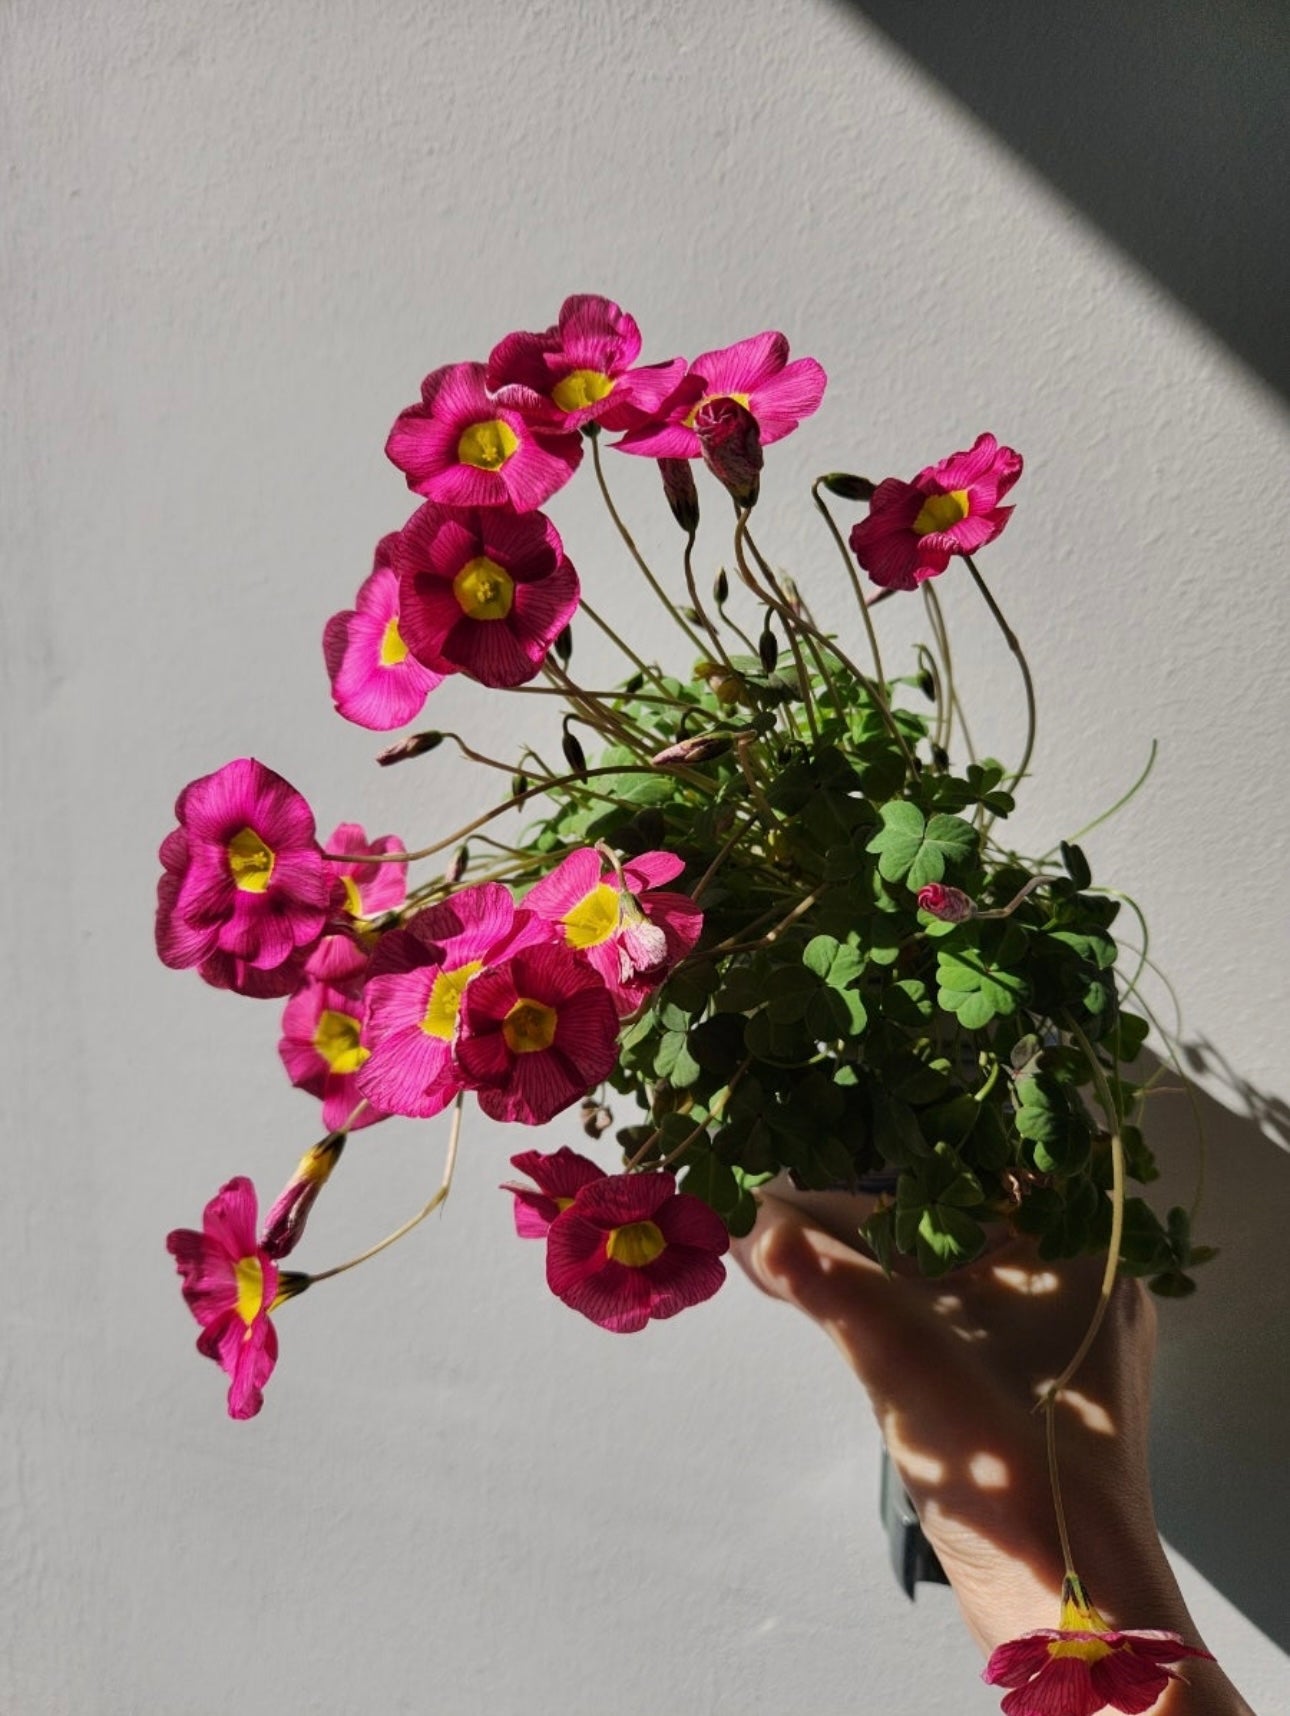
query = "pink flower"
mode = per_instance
[
  {"x": 731, "y": 445},
  {"x": 324, "y": 1042},
  {"x": 462, "y": 447},
  {"x": 360, "y": 890},
  {"x": 537, "y": 1031},
  {"x": 483, "y": 593},
  {"x": 559, "y": 1177},
  {"x": 284, "y": 1225},
  {"x": 375, "y": 682},
  {"x": 414, "y": 992},
  {"x": 579, "y": 371},
  {"x": 230, "y": 1286},
  {"x": 950, "y": 905},
  {"x": 631, "y": 939},
  {"x": 1084, "y": 1665},
  {"x": 631, "y": 1247},
  {"x": 756, "y": 374},
  {"x": 951, "y": 508},
  {"x": 246, "y": 890}
]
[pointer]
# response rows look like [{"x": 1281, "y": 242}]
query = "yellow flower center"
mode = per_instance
[
  {"x": 445, "y": 1000},
  {"x": 637, "y": 1244},
  {"x": 739, "y": 399},
  {"x": 393, "y": 648},
  {"x": 483, "y": 590},
  {"x": 250, "y": 860},
  {"x": 529, "y": 1025},
  {"x": 487, "y": 446},
  {"x": 941, "y": 511},
  {"x": 353, "y": 903},
  {"x": 1087, "y": 1650},
  {"x": 336, "y": 1040},
  {"x": 249, "y": 1278},
  {"x": 580, "y": 388},
  {"x": 594, "y": 919}
]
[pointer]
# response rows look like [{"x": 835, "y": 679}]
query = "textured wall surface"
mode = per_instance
[{"x": 236, "y": 236}]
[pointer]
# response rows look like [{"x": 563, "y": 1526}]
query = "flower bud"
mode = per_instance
[
  {"x": 415, "y": 745},
  {"x": 564, "y": 645},
  {"x": 731, "y": 444},
  {"x": 519, "y": 784},
  {"x": 847, "y": 487},
  {"x": 721, "y": 588},
  {"x": 700, "y": 749},
  {"x": 596, "y": 1118},
  {"x": 768, "y": 650},
  {"x": 284, "y": 1225},
  {"x": 950, "y": 905},
  {"x": 574, "y": 754},
  {"x": 457, "y": 869},
  {"x": 681, "y": 494}
]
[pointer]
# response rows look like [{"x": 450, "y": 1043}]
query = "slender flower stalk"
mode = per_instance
[
  {"x": 629, "y": 543},
  {"x": 1010, "y": 638}
]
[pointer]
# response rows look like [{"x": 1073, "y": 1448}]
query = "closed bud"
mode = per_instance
[
  {"x": 941, "y": 757},
  {"x": 731, "y": 445},
  {"x": 847, "y": 487},
  {"x": 950, "y": 905},
  {"x": 700, "y": 749},
  {"x": 681, "y": 494},
  {"x": 564, "y": 645},
  {"x": 574, "y": 754},
  {"x": 721, "y": 588},
  {"x": 519, "y": 784},
  {"x": 768, "y": 649},
  {"x": 416, "y": 745},
  {"x": 284, "y": 1225},
  {"x": 457, "y": 869},
  {"x": 632, "y": 686},
  {"x": 792, "y": 595}
]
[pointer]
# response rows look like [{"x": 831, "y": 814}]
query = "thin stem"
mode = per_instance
[
  {"x": 1054, "y": 1481},
  {"x": 854, "y": 576},
  {"x": 1010, "y": 638},
  {"x": 1118, "y": 805},
  {"x": 779, "y": 606},
  {"x": 754, "y": 785},
  {"x": 698, "y": 606},
  {"x": 632, "y": 549},
  {"x": 445, "y": 1186},
  {"x": 736, "y": 836},
  {"x": 793, "y": 620},
  {"x": 942, "y": 630},
  {"x": 644, "y": 667}
]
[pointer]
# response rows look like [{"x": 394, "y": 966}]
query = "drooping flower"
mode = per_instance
[
  {"x": 230, "y": 1284},
  {"x": 950, "y": 905},
  {"x": 913, "y": 529},
  {"x": 631, "y": 1247},
  {"x": 1084, "y": 1665},
  {"x": 559, "y": 1176},
  {"x": 485, "y": 593},
  {"x": 284, "y": 1225},
  {"x": 537, "y": 1031},
  {"x": 756, "y": 374},
  {"x": 630, "y": 936},
  {"x": 323, "y": 1045},
  {"x": 246, "y": 889},
  {"x": 414, "y": 991},
  {"x": 361, "y": 890},
  {"x": 731, "y": 446},
  {"x": 375, "y": 681},
  {"x": 580, "y": 370},
  {"x": 462, "y": 447}
]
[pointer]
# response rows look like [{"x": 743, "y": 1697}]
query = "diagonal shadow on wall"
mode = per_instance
[
  {"x": 1166, "y": 124},
  {"x": 1222, "y": 1393}
]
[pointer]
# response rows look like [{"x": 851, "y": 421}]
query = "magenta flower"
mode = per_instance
[
  {"x": 324, "y": 1042},
  {"x": 579, "y": 371},
  {"x": 483, "y": 593},
  {"x": 1084, "y": 1665},
  {"x": 631, "y": 1247},
  {"x": 414, "y": 992},
  {"x": 630, "y": 938},
  {"x": 375, "y": 681},
  {"x": 756, "y": 374},
  {"x": 952, "y": 508},
  {"x": 560, "y": 1177},
  {"x": 463, "y": 447},
  {"x": 230, "y": 1286},
  {"x": 950, "y": 905},
  {"x": 284, "y": 1225},
  {"x": 360, "y": 890},
  {"x": 537, "y": 1031},
  {"x": 246, "y": 889}
]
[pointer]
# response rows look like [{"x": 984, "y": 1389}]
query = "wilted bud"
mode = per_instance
[
  {"x": 416, "y": 745},
  {"x": 721, "y": 588},
  {"x": 848, "y": 487},
  {"x": 682, "y": 496},
  {"x": 564, "y": 645},
  {"x": 768, "y": 649},
  {"x": 596, "y": 1118},
  {"x": 700, "y": 749},
  {"x": 940, "y": 757},
  {"x": 731, "y": 444},
  {"x": 457, "y": 869},
  {"x": 574, "y": 754},
  {"x": 519, "y": 784},
  {"x": 950, "y": 905},
  {"x": 284, "y": 1225},
  {"x": 792, "y": 595}
]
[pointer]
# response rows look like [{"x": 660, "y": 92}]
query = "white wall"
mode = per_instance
[{"x": 237, "y": 236}]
